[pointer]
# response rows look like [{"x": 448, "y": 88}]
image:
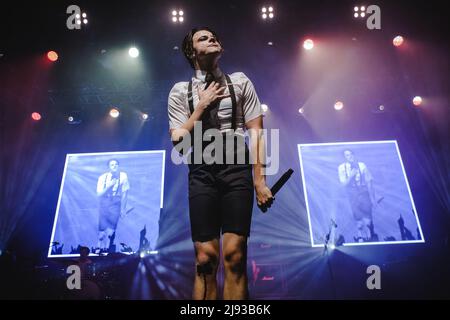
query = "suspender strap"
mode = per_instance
[
  {"x": 233, "y": 100},
  {"x": 190, "y": 98}
]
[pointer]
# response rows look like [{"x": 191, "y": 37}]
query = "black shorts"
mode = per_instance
[
  {"x": 220, "y": 200},
  {"x": 109, "y": 213}
]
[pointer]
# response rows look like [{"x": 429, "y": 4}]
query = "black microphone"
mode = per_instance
[{"x": 277, "y": 186}]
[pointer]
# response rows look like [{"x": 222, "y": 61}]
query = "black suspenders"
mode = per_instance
[{"x": 233, "y": 100}]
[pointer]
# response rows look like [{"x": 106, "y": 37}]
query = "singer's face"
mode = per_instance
[
  {"x": 205, "y": 43},
  {"x": 113, "y": 166},
  {"x": 349, "y": 156}
]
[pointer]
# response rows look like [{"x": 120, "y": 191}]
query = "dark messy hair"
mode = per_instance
[
  {"x": 188, "y": 45},
  {"x": 349, "y": 150},
  {"x": 113, "y": 159}
]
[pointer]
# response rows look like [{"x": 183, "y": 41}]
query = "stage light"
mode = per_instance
[
  {"x": 338, "y": 105},
  {"x": 52, "y": 56},
  {"x": 308, "y": 44},
  {"x": 85, "y": 21},
  {"x": 114, "y": 113},
  {"x": 144, "y": 116},
  {"x": 133, "y": 52},
  {"x": 398, "y": 41},
  {"x": 417, "y": 101},
  {"x": 332, "y": 246},
  {"x": 270, "y": 43},
  {"x": 177, "y": 16},
  {"x": 359, "y": 12},
  {"x": 301, "y": 110},
  {"x": 381, "y": 108},
  {"x": 142, "y": 254},
  {"x": 74, "y": 117},
  {"x": 264, "y": 107},
  {"x": 84, "y": 15},
  {"x": 36, "y": 116},
  {"x": 267, "y": 12}
]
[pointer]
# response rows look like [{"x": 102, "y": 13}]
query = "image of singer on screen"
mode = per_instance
[
  {"x": 112, "y": 191},
  {"x": 358, "y": 182}
]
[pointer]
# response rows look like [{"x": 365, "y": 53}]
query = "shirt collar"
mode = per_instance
[{"x": 201, "y": 74}]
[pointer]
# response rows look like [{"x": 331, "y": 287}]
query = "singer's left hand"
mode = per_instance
[{"x": 263, "y": 195}]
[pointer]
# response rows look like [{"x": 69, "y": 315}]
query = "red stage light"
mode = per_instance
[
  {"x": 52, "y": 56},
  {"x": 36, "y": 116}
]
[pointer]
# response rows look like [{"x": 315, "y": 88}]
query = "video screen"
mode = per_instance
[
  {"x": 357, "y": 193},
  {"x": 109, "y": 202}
]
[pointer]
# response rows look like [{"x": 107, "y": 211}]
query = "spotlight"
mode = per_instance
[
  {"x": 267, "y": 12},
  {"x": 142, "y": 254},
  {"x": 381, "y": 108},
  {"x": 264, "y": 107},
  {"x": 144, "y": 116},
  {"x": 133, "y": 52},
  {"x": 338, "y": 105},
  {"x": 308, "y": 44},
  {"x": 114, "y": 113},
  {"x": 417, "y": 101},
  {"x": 332, "y": 246},
  {"x": 398, "y": 41},
  {"x": 177, "y": 16},
  {"x": 85, "y": 21},
  {"x": 74, "y": 118},
  {"x": 36, "y": 116},
  {"x": 301, "y": 110},
  {"x": 52, "y": 56},
  {"x": 359, "y": 12},
  {"x": 270, "y": 43}
]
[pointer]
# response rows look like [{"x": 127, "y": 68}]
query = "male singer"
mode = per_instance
[
  {"x": 220, "y": 194},
  {"x": 112, "y": 191},
  {"x": 357, "y": 180}
]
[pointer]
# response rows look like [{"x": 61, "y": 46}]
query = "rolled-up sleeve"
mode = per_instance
[
  {"x": 251, "y": 105},
  {"x": 177, "y": 109}
]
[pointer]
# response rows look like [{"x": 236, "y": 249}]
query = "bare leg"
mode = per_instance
[
  {"x": 235, "y": 263},
  {"x": 206, "y": 252}
]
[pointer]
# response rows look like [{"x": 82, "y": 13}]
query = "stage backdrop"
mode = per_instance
[
  {"x": 78, "y": 210},
  {"x": 374, "y": 205}
]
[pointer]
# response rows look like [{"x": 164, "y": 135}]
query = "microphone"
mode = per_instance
[{"x": 277, "y": 186}]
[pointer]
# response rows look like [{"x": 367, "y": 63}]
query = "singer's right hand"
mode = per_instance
[
  {"x": 211, "y": 94},
  {"x": 111, "y": 183}
]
